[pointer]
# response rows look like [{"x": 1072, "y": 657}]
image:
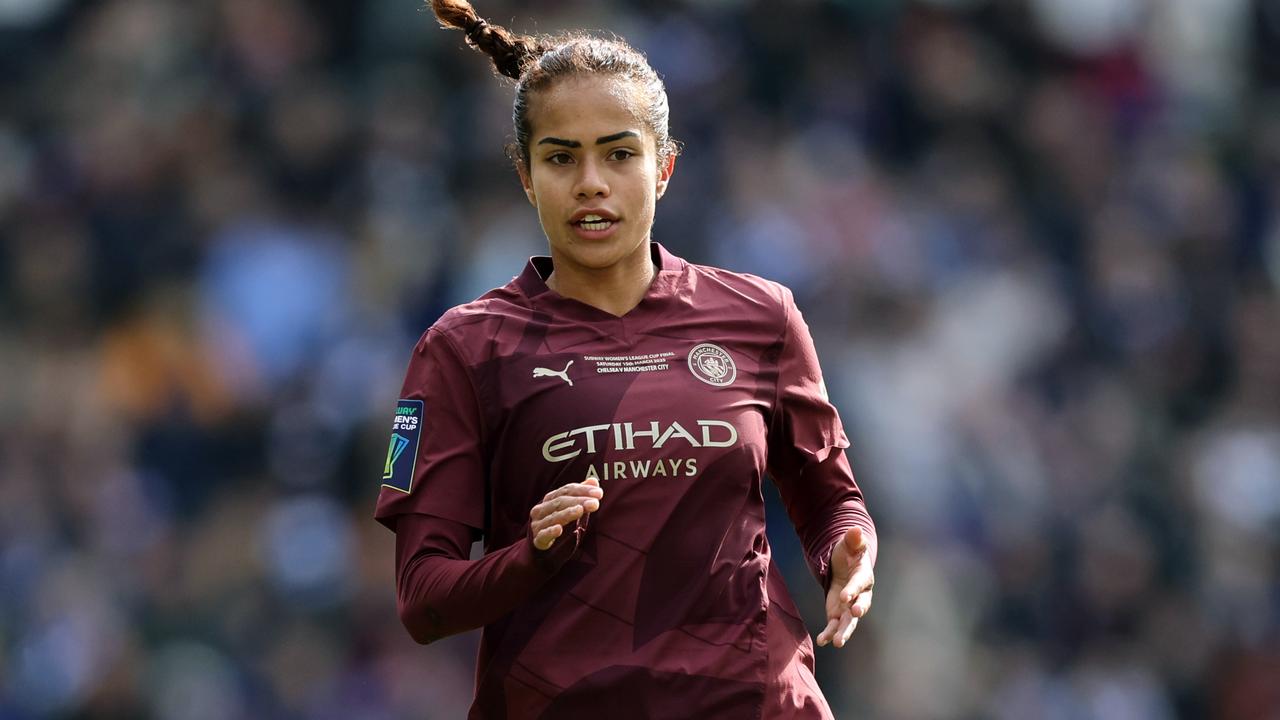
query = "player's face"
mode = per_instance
[{"x": 594, "y": 173}]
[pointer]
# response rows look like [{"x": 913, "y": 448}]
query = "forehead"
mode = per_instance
[{"x": 586, "y": 106}]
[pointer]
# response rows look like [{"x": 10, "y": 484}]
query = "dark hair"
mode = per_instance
[{"x": 535, "y": 62}]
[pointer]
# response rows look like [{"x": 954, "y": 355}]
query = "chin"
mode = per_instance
[{"x": 599, "y": 255}]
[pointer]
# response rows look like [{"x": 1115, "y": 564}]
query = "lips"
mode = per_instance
[
  {"x": 596, "y": 214},
  {"x": 592, "y": 222}
]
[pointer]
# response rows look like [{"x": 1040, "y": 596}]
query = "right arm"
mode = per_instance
[
  {"x": 440, "y": 592},
  {"x": 433, "y": 497}
]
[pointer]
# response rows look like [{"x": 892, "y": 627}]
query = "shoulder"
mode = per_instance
[
  {"x": 477, "y": 329},
  {"x": 482, "y": 313},
  {"x": 766, "y": 297}
]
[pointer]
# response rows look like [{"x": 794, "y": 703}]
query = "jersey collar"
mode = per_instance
[{"x": 532, "y": 282}]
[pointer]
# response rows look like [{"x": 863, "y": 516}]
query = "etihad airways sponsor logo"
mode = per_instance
[{"x": 630, "y": 436}]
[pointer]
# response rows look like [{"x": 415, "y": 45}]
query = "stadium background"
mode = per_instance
[{"x": 1038, "y": 243}]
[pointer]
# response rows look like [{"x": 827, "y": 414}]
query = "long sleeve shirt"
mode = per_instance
[{"x": 664, "y": 603}]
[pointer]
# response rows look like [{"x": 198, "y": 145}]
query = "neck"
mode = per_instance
[{"x": 615, "y": 289}]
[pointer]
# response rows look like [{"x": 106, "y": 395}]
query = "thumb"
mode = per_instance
[{"x": 854, "y": 542}]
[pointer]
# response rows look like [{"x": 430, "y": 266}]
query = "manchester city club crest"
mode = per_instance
[{"x": 712, "y": 365}]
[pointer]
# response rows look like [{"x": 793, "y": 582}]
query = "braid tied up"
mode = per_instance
[
  {"x": 508, "y": 51},
  {"x": 536, "y": 62}
]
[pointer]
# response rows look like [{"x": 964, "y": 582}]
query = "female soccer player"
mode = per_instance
[{"x": 604, "y": 422}]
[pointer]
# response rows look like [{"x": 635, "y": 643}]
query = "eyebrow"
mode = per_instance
[{"x": 599, "y": 140}]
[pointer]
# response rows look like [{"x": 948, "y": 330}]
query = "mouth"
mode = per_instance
[
  {"x": 593, "y": 221},
  {"x": 594, "y": 226}
]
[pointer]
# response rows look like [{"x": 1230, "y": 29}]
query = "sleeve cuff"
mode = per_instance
[{"x": 548, "y": 562}]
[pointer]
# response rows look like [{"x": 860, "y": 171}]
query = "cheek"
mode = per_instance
[
  {"x": 544, "y": 215},
  {"x": 551, "y": 211},
  {"x": 542, "y": 193},
  {"x": 650, "y": 190}
]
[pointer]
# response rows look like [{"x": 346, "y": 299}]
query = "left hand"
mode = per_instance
[{"x": 850, "y": 595}]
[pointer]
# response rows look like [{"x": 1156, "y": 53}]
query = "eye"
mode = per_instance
[
  {"x": 621, "y": 154},
  {"x": 560, "y": 158}
]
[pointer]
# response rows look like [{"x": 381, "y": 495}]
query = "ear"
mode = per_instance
[
  {"x": 665, "y": 170},
  {"x": 526, "y": 182}
]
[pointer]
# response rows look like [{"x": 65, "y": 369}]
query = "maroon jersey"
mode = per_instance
[{"x": 663, "y": 603}]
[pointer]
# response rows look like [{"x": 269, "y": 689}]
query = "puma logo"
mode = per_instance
[{"x": 562, "y": 374}]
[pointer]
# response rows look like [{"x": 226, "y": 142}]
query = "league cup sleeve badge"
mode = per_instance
[{"x": 402, "y": 452}]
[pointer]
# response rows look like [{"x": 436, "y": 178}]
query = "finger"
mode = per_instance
[
  {"x": 561, "y": 517},
  {"x": 567, "y": 515},
  {"x": 824, "y": 637},
  {"x": 854, "y": 541},
  {"x": 847, "y": 625},
  {"x": 862, "y": 580},
  {"x": 862, "y": 606},
  {"x": 565, "y": 502},
  {"x": 578, "y": 503},
  {"x": 588, "y": 488},
  {"x": 568, "y": 501},
  {"x": 544, "y": 539}
]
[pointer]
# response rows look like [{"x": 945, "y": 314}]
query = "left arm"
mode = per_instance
[{"x": 808, "y": 464}]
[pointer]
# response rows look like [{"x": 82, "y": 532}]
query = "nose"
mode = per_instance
[{"x": 591, "y": 181}]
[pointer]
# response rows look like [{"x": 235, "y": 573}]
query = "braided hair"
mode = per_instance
[{"x": 535, "y": 62}]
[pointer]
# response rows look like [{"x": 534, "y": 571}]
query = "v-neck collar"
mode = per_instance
[{"x": 665, "y": 286}]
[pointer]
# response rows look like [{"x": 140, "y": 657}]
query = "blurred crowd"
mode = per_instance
[{"x": 1038, "y": 243}]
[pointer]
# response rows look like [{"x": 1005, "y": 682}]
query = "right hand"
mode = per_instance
[{"x": 561, "y": 506}]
